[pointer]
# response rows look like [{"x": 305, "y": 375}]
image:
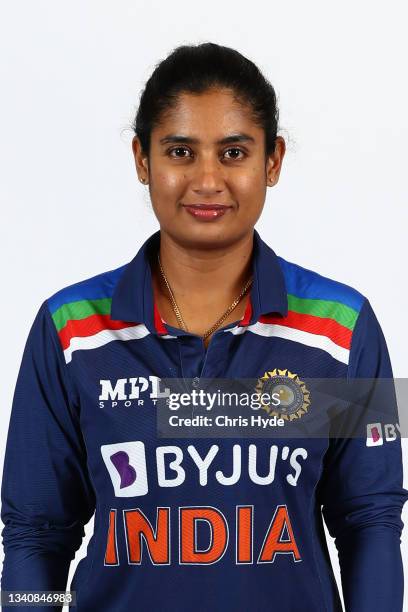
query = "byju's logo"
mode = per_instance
[
  {"x": 127, "y": 464},
  {"x": 120, "y": 460},
  {"x": 375, "y": 435}
]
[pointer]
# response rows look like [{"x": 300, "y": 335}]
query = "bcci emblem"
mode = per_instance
[{"x": 294, "y": 397}]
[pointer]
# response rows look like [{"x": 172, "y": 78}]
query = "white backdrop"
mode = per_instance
[{"x": 71, "y": 205}]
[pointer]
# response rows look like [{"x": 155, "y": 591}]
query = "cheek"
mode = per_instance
[
  {"x": 166, "y": 191},
  {"x": 249, "y": 183},
  {"x": 168, "y": 181}
]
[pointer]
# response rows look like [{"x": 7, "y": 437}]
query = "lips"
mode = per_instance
[
  {"x": 207, "y": 206},
  {"x": 207, "y": 212}
]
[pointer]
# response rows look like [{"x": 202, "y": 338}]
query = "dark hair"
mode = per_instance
[{"x": 197, "y": 68}]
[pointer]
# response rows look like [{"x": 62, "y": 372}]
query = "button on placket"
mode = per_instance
[{"x": 191, "y": 355}]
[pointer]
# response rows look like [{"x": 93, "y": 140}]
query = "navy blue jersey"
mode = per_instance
[{"x": 199, "y": 523}]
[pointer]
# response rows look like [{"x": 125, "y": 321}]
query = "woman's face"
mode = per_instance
[{"x": 208, "y": 150}]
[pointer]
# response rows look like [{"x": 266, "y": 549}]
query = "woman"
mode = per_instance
[{"x": 230, "y": 523}]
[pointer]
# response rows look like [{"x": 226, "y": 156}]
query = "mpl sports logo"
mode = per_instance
[
  {"x": 130, "y": 391},
  {"x": 377, "y": 433}
]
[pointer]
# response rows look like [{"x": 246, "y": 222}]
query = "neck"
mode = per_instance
[{"x": 204, "y": 276}]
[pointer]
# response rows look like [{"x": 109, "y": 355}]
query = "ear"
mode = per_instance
[
  {"x": 274, "y": 162},
  {"x": 141, "y": 160}
]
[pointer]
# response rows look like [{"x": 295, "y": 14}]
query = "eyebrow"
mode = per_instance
[{"x": 175, "y": 138}]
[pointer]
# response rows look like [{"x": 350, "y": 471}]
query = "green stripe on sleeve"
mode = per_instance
[
  {"x": 344, "y": 315},
  {"x": 80, "y": 310}
]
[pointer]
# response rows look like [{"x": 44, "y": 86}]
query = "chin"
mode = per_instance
[{"x": 206, "y": 236}]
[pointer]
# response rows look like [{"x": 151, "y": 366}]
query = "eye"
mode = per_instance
[
  {"x": 179, "y": 148},
  {"x": 236, "y": 150},
  {"x": 174, "y": 152}
]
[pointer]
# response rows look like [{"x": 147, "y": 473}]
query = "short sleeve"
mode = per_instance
[
  {"x": 46, "y": 493},
  {"x": 361, "y": 489}
]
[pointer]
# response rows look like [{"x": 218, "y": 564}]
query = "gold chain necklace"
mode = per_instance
[{"x": 220, "y": 320}]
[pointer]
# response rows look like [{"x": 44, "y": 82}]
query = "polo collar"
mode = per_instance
[{"x": 133, "y": 298}]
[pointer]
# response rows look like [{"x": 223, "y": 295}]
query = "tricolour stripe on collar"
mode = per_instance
[{"x": 158, "y": 321}]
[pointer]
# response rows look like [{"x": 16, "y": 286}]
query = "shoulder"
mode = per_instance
[
  {"x": 339, "y": 312},
  {"x": 311, "y": 293},
  {"x": 91, "y": 296}
]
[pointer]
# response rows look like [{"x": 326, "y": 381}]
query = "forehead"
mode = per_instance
[{"x": 207, "y": 115}]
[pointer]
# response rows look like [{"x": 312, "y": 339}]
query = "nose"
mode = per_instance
[{"x": 208, "y": 176}]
